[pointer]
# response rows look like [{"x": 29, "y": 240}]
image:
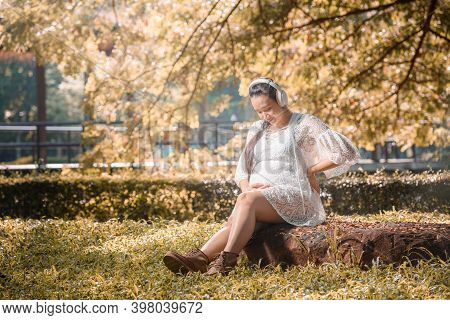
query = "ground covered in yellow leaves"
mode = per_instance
[{"x": 84, "y": 259}]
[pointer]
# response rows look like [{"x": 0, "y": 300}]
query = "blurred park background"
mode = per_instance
[
  {"x": 162, "y": 84},
  {"x": 114, "y": 115}
]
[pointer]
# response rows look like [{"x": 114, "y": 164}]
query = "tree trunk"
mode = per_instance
[
  {"x": 41, "y": 112},
  {"x": 358, "y": 243}
]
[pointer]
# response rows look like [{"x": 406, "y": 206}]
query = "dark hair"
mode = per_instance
[
  {"x": 263, "y": 89},
  {"x": 259, "y": 89}
]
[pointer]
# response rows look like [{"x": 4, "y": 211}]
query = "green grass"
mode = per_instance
[{"x": 84, "y": 259}]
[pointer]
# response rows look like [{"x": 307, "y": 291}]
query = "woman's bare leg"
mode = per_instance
[
  {"x": 253, "y": 207},
  {"x": 217, "y": 242}
]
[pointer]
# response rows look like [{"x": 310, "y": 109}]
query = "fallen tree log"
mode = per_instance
[{"x": 360, "y": 243}]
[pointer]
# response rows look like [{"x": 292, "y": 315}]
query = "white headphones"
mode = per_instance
[{"x": 282, "y": 98}]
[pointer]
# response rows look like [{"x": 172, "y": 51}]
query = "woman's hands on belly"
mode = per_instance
[{"x": 257, "y": 185}]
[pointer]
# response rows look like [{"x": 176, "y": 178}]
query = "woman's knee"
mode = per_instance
[{"x": 246, "y": 199}]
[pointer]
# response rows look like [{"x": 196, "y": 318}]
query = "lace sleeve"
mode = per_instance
[
  {"x": 318, "y": 141},
  {"x": 241, "y": 172}
]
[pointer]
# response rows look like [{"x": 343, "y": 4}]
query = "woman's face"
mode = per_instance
[{"x": 266, "y": 108}]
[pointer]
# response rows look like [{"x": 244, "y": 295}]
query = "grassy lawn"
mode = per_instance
[{"x": 84, "y": 259}]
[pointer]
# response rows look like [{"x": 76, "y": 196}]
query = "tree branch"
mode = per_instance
[
  {"x": 319, "y": 21},
  {"x": 232, "y": 48},
  {"x": 261, "y": 16},
  {"x": 188, "y": 102},
  {"x": 183, "y": 50},
  {"x": 439, "y": 35},
  {"x": 425, "y": 30},
  {"x": 371, "y": 67},
  {"x": 383, "y": 56}
]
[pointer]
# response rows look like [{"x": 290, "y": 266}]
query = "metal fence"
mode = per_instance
[
  {"x": 65, "y": 138},
  {"x": 36, "y": 145}
]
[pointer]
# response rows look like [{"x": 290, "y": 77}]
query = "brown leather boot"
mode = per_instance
[
  {"x": 224, "y": 263},
  {"x": 194, "y": 261}
]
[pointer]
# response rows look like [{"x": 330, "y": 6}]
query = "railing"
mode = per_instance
[
  {"x": 37, "y": 145},
  {"x": 210, "y": 134}
]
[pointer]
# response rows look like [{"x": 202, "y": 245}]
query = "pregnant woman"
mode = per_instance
[{"x": 276, "y": 174}]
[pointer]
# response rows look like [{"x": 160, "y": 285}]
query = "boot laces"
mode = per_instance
[
  {"x": 219, "y": 262},
  {"x": 193, "y": 252},
  {"x": 197, "y": 252}
]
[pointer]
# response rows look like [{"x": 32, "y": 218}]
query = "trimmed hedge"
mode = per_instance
[{"x": 124, "y": 197}]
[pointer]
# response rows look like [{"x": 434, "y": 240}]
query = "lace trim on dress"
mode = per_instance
[
  {"x": 318, "y": 141},
  {"x": 287, "y": 205}
]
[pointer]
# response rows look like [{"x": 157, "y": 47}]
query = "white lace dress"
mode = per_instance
[{"x": 281, "y": 159}]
